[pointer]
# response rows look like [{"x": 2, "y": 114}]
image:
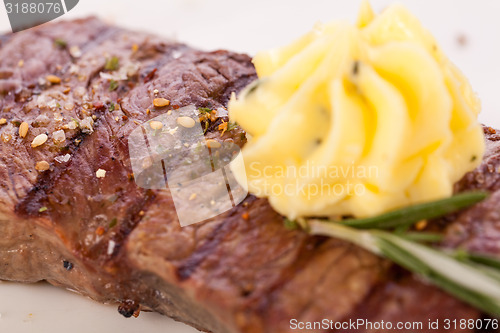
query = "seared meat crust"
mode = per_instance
[{"x": 241, "y": 271}]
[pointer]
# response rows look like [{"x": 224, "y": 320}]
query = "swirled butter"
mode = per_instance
[{"x": 356, "y": 120}]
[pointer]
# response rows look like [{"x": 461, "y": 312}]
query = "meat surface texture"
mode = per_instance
[{"x": 106, "y": 238}]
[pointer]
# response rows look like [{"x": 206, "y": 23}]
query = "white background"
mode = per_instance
[{"x": 249, "y": 26}]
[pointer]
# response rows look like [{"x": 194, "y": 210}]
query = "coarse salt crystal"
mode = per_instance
[
  {"x": 63, "y": 159},
  {"x": 75, "y": 51},
  {"x": 80, "y": 91},
  {"x": 74, "y": 69},
  {"x": 72, "y": 125},
  {"x": 59, "y": 136},
  {"x": 111, "y": 247},
  {"x": 101, "y": 173},
  {"x": 86, "y": 125},
  {"x": 58, "y": 117},
  {"x": 52, "y": 104}
]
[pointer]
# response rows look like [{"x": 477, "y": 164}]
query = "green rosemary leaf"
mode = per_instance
[
  {"x": 484, "y": 260},
  {"x": 205, "y": 110},
  {"x": 60, "y": 43},
  {"x": 492, "y": 272},
  {"x": 402, "y": 257},
  {"x": 473, "y": 283},
  {"x": 112, "y": 64},
  {"x": 422, "y": 236},
  {"x": 409, "y": 215},
  {"x": 480, "y": 300},
  {"x": 290, "y": 224},
  {"x": 113, "y": 85},
  {"x": 363, "y": 238},
  {"x": 231, "y": 126},
  {"x": 487, "y": 264},
  {"x": 460, "y": 279}
]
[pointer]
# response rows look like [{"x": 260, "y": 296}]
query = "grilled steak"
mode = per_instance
[{"x": 241, "y": 271}]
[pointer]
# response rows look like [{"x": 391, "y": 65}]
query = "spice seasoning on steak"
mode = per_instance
[{"x": 242, "y": 271}]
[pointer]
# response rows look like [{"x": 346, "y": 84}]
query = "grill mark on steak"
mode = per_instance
[
  {"x": 103, "y": 36},
  {"x": 39, "y": 194},
  {"x": 214, "y": 239},
  {"x": 227, "y": 275},
  {"x": 30, "y": 204},
  {"x": 9, "y": 173},
  {"x": 191, "y": 264},
  {"x": 95, "y": 34},
  {"x": 323, "y": 276},
  {"x": 133, "y": 217}
]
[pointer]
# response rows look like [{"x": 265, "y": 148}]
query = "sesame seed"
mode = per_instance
[
  {"x": 42, "y": 166},
  {"x": 135, "y": 48},
  {"x": 160, "y": 102},
  {"x": 186, "y": 122},
  {"x": 23, "y": 129},
  {"x": 3, "y": 121},
  {"x": 20, "y": 63},
  {"x": 100, "y": 173},
  {"x": 193, "y": 196},
  {"x": 53, "y": 79},
  {"x": 155, "y": 91},
  {"x": 156, "y": 125},
  {"x": 39, "y": 140},
  {"x": 211, "y": 143}
]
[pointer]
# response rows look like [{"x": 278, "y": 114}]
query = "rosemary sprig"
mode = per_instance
[
  {"x": 470, "y": 282},
  {"x": 425, "y": 237},
  {"x": 473, "y": 278},
  {"x": 410, "y": 215},
  {"x": 482, "y": 259}
]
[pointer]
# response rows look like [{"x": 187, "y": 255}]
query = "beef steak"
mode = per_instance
[{"x": 241, "y": 271}]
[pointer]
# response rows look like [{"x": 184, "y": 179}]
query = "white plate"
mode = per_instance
[
  {"x": 247, "y": 26},
  {"x": 40, "y": 307}
]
